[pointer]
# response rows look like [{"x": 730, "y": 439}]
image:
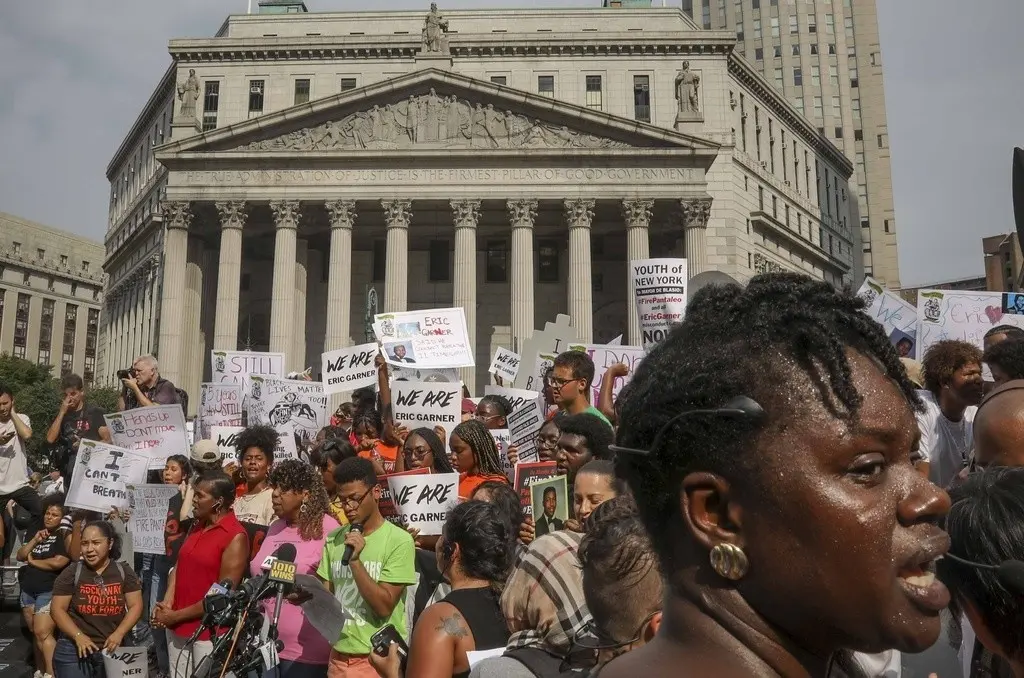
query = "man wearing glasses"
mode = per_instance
[
  {"x": 571, "y": 382},
  {"x": 371, "y": 585}
]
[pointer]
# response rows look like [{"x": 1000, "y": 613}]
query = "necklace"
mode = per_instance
[{"x": 957, "y": 434}]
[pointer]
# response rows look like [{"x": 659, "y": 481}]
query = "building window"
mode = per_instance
[
  {"x": 833, "y": 74},
  {"x": 739, "y": 31},
  {"x": 211, "y": 103},
  {"x": 26, "y": 279},
  {"x": 546, "y": 86},
  {"x": 40, "y": 254},
  {"x": 798, "y": 77},
  {"x": 301, "y": 91},
  {"x": 837, "y": 110},
  {"x": 347, "y": 84},
  {"x": 858, "y": 135},
  {"x": 439, "y": 268},
  {"x": 497, "y": 261},
  {"x": 74, "y": 289},
  {"x": 21, "y": 325},
  {"x": 775, "y": 207},
  {"x": 255, "y": 97},
  {"x": 794, "y": 27},
  {"x": 886, "y": 225},
  {"x": 883, "y": 141},
  {"x": 757, "y": 29},
  {"x": 760, "y": 198},
  {"x": 796, "y": 49},
  {"x": 758, "y": 54},
  {"x": 816, "y": 76},
  {"x": 641, "y": 100},
  {"x": 775, "y": 26},
  {"x": 64, "y": 260},
  {"x": 67, "y": 362},
  {"x": 778, "y": 79},
  {"x": 812, "y": 24},
  {"x": 17, "y": 248},
  {"x": 855, "y": 105},
  {"x": 547, "y": 261},
  {"x": 818, "y": 108},
  {"x": 839, "y": 132},
  {"x": 595, "y": 95},
  {"x": 380, "y": 260},
  {"x": 498, "y": 79},
  {"x": 814, "y": 48},
  {"x": 46, "y": 331}
]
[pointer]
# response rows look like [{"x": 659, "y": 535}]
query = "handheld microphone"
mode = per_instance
[
  {"x": 346, "y": 555},
  {"x": 1009, "y": 572}
]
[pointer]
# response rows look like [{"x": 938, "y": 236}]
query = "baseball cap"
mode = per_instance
[{"x": 205, "y": 451}]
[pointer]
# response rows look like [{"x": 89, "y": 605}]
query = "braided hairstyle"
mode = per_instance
[
  {"x": 740, "y": 341},
  {"x": 485, "y": 450},
  {"x": 368, "y": 418},
  {"x": 296, "y": 475},
  {"x": 502, "y": 404},
  {"x": 442, "y": 464}
]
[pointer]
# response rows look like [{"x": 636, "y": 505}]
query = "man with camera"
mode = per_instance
[
  {"x": 75, "y": 421},
  {"x": 143, "y": 386}
]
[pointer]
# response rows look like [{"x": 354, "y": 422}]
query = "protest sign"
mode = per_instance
[
  {"x": 424, "y": 500},
  {"x": 604, "y": 356},
  {"x": 276, "y": 402},
  {"x": 890, "y": 311},
  {"x": 102, "y": 474},
  {"x": 419, "y": 404},
  {"x": 529, "y": 474},
  {"x": 236, "y": 366},
  {"x": 505, "y": 365},
  {"x": 156, "y": 432},
  {"x": 148, "y": 505},
  {"x": 349, "y": 368},
  {"x": 226, "y": 438},
  {"x": 549, "y": 505},
  {"x": 659, "y": 292},
  {"x": 410, "y": 373},
  {"x": 286, "y": 447},
  {"x": 517, "y": 396},
  {"x": 539, "y": 351},
  {"x": 434, "y": 338},
  {"x": 502, "y": 439},
  {"x": 523, "y": 426},
  {"x": 220, "y": 404},
  {"x": 387, "y": 507},
  {"x": 124, "y": 662},
  {"x": 967, "y": 316}
]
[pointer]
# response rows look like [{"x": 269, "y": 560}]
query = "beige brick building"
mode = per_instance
[
  {"x": 51, "y": 293},
  {"x": 510, "y": 162}
]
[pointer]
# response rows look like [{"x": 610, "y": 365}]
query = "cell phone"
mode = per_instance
[{"x": 381, "y": 642}]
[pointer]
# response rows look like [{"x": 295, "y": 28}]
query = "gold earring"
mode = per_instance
[{"x": 729, "y": 561}]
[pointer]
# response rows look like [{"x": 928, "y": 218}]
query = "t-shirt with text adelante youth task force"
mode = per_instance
[
  {"x": 98, "y": 602},
  {"x": 13, "y": 465},
  {"x": 34, "y": 580},
  {"x": 390, "y": 557}
]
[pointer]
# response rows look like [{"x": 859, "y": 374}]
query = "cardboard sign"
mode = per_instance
[
  {"x": 517, "y": 396},
  {"x": 126, "y": 662},
  {"x": 967, "y": 316},
  {"x": 276, "y": 402},
  {"x": 102, "y": 475},
  {"x": 503, "y": 439},
  {"x": 219, "y": 405},
  {"x": 540, "y": 350},
  {"x": 387, "y": 503},
  {"x": 890, "y": 311},
  {"x": 226, "y": 438},
  {"x": 529, "y": 474},
  {"x": 659, "y": 292},
  {"x": 604, "y": 356},
  {"x": 156, "y": 432},
  {"x": 286, "y": 447},
  {"x": 423, "y": 501},
  {"x": 347, "y": 369},
  {"x": 505, "y": 364},
  {"x": 523, "y": 426},
  {"x": 236, "y": 366},
  {"x": 434, "y": 338},
  {"x": 410, "y": 373},
  {"x": 148, "y": 505},
  {"x": 419, "y": 404}
]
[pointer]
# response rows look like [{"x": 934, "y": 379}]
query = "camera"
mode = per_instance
[{"x": 125, "y": 374}]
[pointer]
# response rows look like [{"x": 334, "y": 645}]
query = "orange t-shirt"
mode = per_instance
[
  {"x": 387, "y": 455},
  {"x": 469, "y": 483}
]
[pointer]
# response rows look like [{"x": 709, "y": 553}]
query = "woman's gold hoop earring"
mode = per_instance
[{"x": 729, "y": 561}]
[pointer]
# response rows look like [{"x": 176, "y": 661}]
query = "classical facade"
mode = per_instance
[
  {"x": 510, "y": 163},
  {"x": 51, "y": 293}
]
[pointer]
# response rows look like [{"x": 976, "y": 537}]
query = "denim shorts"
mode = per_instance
[{"x": 40, "y": 603}]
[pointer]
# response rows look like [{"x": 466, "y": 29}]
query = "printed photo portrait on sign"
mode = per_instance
[
  {"x": 903, "y": 342},
  {"x": 550, "y": 504},
  {"x": 1013, "y": 303},
  {"x": 400, "y": 352}
]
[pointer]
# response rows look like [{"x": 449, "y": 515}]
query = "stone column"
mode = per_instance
[
  {"x": 299, "y": 346},
  {"x": 229, "y": 275},
  {"x": 637, "y": 215},
  {"x": 113, "y": 308},
  {"x": 696, "y": 212},
  {"x": 211, "y": 260},
  {"x": 151, "y": 297},
  {"x": 397, "y": 214},
  {"x": 466, "y": 214},
  {"x": 339, "y": 277},
  {"x": 191, "y": 348},
  {"x": 522, "y": 214},
  {"x": 177, "y": 218},
  {"x": 282, "y": 305},
  {"x": 579, "y": 214}
]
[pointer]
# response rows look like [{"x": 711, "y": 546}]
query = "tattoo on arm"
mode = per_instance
[{"x": 453, "y": 626}]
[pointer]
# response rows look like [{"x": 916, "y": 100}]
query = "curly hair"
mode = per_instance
[
  {"x": 292, "y": 475},
  {"x": 597, "y": 433},
  {"x": 1008, "y": 356},
  {"x": 264, "y": 438},
  {"x": 485, "y": 450},
  {"x": 734, "y": 341},
  {"x": 442, "y": 464},
  {"x": 944, "y": 358}
]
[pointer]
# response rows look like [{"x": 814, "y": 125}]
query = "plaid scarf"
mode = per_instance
[{"x": 543, "y": 598}]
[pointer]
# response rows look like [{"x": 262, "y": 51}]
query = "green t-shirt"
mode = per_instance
[
  {"x": 389, "y": 556},
  {"x": 590, "y": 410}
]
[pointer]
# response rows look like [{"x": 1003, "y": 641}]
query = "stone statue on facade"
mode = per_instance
[
  {"x": 188, "y": 93},
  {"x": 687, "y": 83},
  {"x": 435, "y": 28}
]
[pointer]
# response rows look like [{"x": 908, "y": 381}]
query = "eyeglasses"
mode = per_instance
[
  {"x": 558, "y": 382},
  {"x": 354, "y": 502},
  {"x": 485, "y": 417},
  {"x": 419, "y": 452},
  {"x": 591, "y": 637}
]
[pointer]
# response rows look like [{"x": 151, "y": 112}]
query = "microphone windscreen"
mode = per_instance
[
  {"x": 356, "y": 527},
  {"x": 1011, "y": 574},
  {"x": 286, "y": 552}
]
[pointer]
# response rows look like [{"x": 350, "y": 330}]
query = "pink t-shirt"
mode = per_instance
[{"x": 302, "y": 642}]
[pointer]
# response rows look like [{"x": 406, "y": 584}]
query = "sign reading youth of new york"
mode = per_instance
[
  {"x": 897, "y": 316},
  {"x": 277, "y": 402},
  {"x": 156, "y": 432},
  {"x": 349, "y": 368},
  {"x": 421, "y": 404},
  {"x": 423, "y": 501},
  {"x": 236, "y": 366},
  {"x": 101, "y": 476},
  {"x": 220, "y": 404},
  {"x": 659, "y": 291},
  {"x": 434, "y": 338}
]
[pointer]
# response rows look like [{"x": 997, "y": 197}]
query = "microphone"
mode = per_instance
[
  {"x": 215, "y": 602},
  {"x": 1009, "y": 572},
  {"x": 346, "y": 555},
  {"x": 253, "y": 588},
  {"x": 282, "y": 573}
]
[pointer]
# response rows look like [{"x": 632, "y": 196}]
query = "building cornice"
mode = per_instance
[
  {"x": 764, "y": 220},
  {"x": 48, "y": 266},
  {"x": 163, "y": 89}
]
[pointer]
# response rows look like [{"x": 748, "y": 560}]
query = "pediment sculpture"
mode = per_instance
[{"x": 433, "y": 121}]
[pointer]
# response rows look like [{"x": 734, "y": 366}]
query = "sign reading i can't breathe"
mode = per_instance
[
  {"x": 349, "y": 368},
  {"x": 102, "y": 475}
]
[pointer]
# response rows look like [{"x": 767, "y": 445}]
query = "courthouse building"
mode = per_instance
[
  {"x": 511, "y": 162},
  {"x": 51, "y": 293}
]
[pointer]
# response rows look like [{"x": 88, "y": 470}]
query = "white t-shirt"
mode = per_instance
[
  {"x": 13, "y": 465},
  {"x": 255, "y": 508},
  {"x": 947, "y": 444}
]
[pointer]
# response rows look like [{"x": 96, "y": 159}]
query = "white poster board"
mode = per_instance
[
  {"x": 148, "y": 518},
  {"x": 226, "y": 438},
  {"x": 505, "y": 364},
  {"x": 540, "y": 350},
  {"x": 424, "y": 500},
  {"x": 347, "y": 369},
  {"x": 503, "y": 439},
  {"x": 659, "y": 292},
  {"x": 434, "y": 338},
  {"x": 276, "y": 402},
  {"x": 606, "y": 355},
  {"x": 236, "y": 366},
  {"x": 102, "y": 474},
  {"x": 890, "y": 311},
  {"x": 220, "y": 404},
  {"x": 967, "y": 316},
  {"x": 419, "y": 404},
  {"x": 156, "y": 432},
  {"x": 126, "y": 662},
  {"x": 517, "y": 396},
  {"x": 286, "y": 448},
  {"x": 523, "y": 426}
]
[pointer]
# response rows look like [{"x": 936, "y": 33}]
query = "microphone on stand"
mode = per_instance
[{"x": 346, "y": 555}]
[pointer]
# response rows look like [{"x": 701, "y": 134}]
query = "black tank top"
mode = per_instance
[{"x": 480, "y": 609}]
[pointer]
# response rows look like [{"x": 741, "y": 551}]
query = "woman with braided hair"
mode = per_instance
[
  {"x": 474, "y": 456},
  {"x": 771, "y": 446},
  {"x": 424, "y": 449},
  {"x": 493, "y": 411}
]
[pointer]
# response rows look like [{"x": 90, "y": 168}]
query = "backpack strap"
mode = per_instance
[
  {"x": 544, "y": 665},
  {"x": 78, "y": 573}
]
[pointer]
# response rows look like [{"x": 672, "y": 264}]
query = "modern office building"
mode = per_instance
[
  {"x": 51, "y": 293},
  {"x": 510, "y": 162},
  {"x": 824, "y": 55}
]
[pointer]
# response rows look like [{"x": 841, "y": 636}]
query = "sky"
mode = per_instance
[{"x": 74, "y": 76}]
